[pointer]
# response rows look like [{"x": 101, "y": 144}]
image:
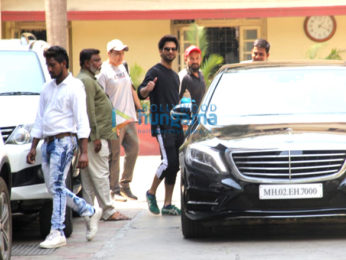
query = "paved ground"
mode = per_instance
[
  {"x": 77, "y": 247},
  {"x": 150, "y": 237}
]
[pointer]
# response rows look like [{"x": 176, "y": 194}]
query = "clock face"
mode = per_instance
[{"x": 320, "y": 28}]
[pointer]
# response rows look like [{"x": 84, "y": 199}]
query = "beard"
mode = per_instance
[
  {"x": 94, "y": 70},
  {"x": 56, "y": 75},
  {"x": 194, "y": 67},
  {"x": 168, "y": 58}
]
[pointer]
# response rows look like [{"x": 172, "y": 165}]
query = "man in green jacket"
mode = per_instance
[{"x": 95, "y": 178}]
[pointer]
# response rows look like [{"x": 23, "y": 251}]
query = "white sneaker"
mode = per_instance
[
  {"x": 92, "y": 224},
  {"x": 53, "y": 240}
]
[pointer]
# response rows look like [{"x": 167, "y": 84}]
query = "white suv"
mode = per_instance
[
  {"x": 22, "y": 74},
  {"x": 5, "y": 205}
]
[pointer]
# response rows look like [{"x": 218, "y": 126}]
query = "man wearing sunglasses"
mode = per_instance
[{"x": 161, "y": 84}]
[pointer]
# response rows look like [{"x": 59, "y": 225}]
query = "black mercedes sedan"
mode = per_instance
[{"x": 267, "y": 142}]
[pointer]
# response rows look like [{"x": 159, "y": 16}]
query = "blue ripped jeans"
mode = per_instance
[{"x": 56, "y": 160}]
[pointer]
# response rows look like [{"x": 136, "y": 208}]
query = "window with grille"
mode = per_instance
[
  {"x": 223, "y": 41},
  {"x": 234, "y": 43},
  {"x": 39, "y": 34}
]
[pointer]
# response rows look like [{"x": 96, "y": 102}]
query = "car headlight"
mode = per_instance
[
  {"x": 204, "y": 157},
  {"x": 20, "y": 135}
]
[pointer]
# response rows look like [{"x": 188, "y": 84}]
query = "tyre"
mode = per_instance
[
  {"x": 191, "y": 228},
  {"x": 45, "y": 217},
  {"x": 69, "y": 212},
  {"x": 46, "y": 214},
  {"x": 5, "y": 222}
]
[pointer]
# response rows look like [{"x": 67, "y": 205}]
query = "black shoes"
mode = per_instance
[{"x": 126, "y": 192}]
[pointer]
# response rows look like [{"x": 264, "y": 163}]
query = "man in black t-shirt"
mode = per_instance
[{"x": 161, "y": 84}]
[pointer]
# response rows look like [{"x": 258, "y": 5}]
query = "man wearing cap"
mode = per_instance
[
  {"x": 193, "y": 81},
  {"x": 117, "y": 84}
]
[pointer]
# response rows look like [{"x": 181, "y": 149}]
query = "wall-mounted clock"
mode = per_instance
[{"x": 319, "y": 28}]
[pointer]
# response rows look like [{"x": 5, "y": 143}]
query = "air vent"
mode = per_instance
[{"x": 288, "y": 164}]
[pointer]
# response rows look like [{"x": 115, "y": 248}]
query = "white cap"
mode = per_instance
[{"x": 116, "y": 45}]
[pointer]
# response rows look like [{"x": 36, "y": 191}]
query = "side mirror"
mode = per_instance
[{"x": 182, "y": 112}]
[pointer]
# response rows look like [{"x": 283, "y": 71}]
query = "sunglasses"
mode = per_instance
[{"x": 169, "y": 49}]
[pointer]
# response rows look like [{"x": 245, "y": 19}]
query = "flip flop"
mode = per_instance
[{"x": 117, "y": 216}]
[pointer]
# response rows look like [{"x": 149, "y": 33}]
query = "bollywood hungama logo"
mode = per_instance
[{"x": 160, "y": 115}]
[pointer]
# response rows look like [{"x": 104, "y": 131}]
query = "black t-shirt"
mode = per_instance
[
  {"x": 196, "y": 86},
  {"x": 163, "y": 98}
]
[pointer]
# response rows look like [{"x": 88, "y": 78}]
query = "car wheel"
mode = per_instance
[
  {"x": 69, "y": 212},
  {"x": 5, "y": 222},
  {"x": 46, "y": 215},
  {"x": 190, "y": 228},
  {"x": 45, "y": 220}
]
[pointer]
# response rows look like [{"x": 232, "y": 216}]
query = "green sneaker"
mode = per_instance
[
  {"x": 152, "y": 204},
  {"x": 170, "y": 210}
]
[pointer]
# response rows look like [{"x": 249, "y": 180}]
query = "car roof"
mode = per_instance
[
  {"x": 25, "y": 44},
  {"x": 13, "y": 44},
  {"x": 291, "y": 63},
  {"x": 22, "y": 45}
]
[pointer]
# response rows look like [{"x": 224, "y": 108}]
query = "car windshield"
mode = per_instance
[
  {"x": 20, "y": 73},
  {"x": 264, "y": 92}
]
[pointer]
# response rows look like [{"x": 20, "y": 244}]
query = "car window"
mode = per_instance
[
  {"x": 20, "y": 71},
  {"x": 280, "y": 91}
]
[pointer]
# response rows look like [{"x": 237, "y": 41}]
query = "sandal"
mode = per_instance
[{"x": 117, "y": 216}]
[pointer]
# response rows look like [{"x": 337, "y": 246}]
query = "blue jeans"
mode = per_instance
[{"x": 56, "y": 160}]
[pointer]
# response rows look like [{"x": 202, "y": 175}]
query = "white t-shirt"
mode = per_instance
[
  {"x": 181, "y": 75},
  {"x": 116, "y": 82}
]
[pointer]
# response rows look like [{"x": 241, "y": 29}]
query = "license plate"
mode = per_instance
[{"x": 291, "y": 191}]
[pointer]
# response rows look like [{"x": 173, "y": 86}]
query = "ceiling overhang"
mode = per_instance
[{"x": 180, "y": 14}]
